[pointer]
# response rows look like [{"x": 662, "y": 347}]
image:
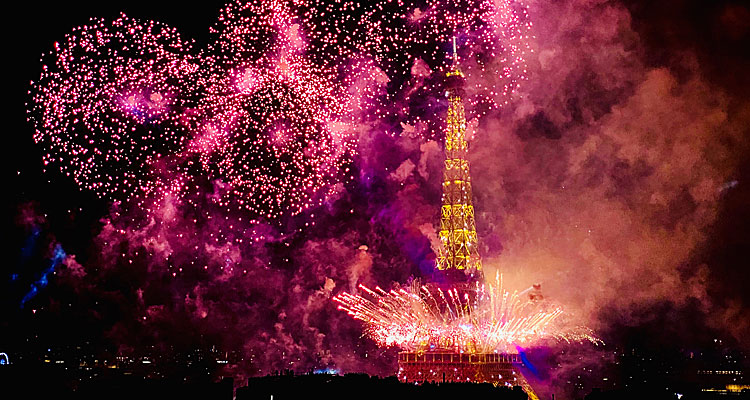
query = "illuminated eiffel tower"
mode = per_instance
[
  {"x": 458, "y": 232},
  {"x": 459, "y": 259}
]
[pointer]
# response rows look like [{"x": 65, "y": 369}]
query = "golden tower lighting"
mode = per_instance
[{"x": 458, "y": 232}]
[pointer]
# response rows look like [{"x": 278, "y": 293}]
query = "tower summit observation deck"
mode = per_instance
[{"x": 457, "y": 233}]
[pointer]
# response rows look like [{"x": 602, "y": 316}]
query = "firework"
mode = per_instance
[
  {"x": 267, "y": 111},
  {"x": 408, "y": 40},
  {"x": 109, "y": 103},
  {"x": 274, "y": 132},
  {"x": 484, "y": 319}
]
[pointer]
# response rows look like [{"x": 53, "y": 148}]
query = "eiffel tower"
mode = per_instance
[{"x": 459, "y": 259}]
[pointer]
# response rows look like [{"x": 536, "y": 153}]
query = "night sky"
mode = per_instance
[{"x": 617, "y": 178}]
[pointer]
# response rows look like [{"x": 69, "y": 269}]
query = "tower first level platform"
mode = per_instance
[{"x": 499, "y": 369}]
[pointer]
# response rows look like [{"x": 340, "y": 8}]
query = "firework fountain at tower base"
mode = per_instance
[
  {"x": 467, "y": 318},
  {"x": 468, "y": 333}
]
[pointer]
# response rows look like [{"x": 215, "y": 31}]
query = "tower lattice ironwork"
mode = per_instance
[
  {"x": 458, "y": 232},
  {"x": 459, "y": 252}
]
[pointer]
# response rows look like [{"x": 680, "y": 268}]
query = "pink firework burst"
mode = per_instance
[
  {"x": 109, "y": 102},
  {"x": 272, "y": 129}
]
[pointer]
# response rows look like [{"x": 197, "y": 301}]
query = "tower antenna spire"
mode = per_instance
[{"x": 455, "y": 53}]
